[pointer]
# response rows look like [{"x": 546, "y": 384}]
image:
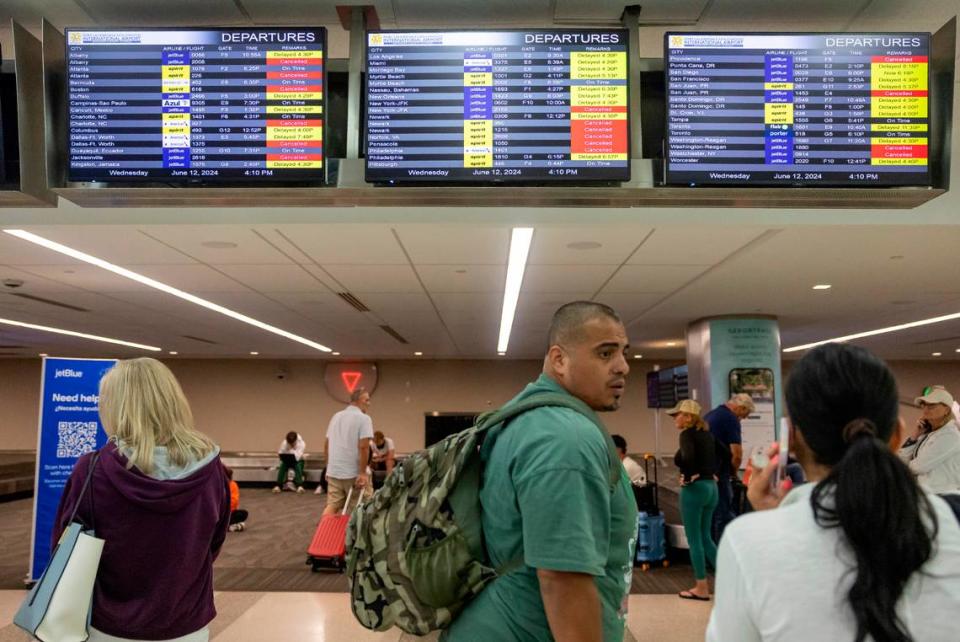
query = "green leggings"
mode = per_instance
[{"x": 697, "y": 502}]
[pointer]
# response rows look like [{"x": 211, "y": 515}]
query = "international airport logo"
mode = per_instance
[
  {"x": 676, "y": 41},
  {"x": 376, "y": 39},
  {"x": 76, "y": 38}
]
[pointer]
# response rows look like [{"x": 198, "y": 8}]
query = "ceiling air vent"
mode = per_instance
[
  {"x": 200, "y": 339},
  {"x": 353, "y": 301},
  {"x": 393, "y": 333},
  {"x": 40, "y": 299}
]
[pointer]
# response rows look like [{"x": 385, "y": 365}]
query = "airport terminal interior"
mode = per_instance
[{"x": 333, "y": 229}]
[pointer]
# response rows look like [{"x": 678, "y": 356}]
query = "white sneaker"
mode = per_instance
[
  {"x": 233, "y": 528},
  {"x": 276, "y": 490},
  {"x": 299, "y": 490},
  {"x": 290, "y": 486},
  {"x": 319, "y": 491}
]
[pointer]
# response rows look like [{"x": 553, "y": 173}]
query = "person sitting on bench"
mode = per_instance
[{"x": 291, "y": 457}]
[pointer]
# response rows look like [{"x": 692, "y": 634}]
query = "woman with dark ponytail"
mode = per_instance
[{"x": 862, "y": 552}]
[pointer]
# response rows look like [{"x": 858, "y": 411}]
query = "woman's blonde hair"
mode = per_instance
[
  {"x": 142, "y": 405},
  {"x": 699, "y": 423}
]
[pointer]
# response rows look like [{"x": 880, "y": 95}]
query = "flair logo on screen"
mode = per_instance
[{"x": 350, "y": 380}]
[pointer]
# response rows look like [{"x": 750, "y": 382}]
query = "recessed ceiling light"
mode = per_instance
[
  {"x": 936, "y": 354},
  {"x": 163, "y": 287},
  {"x": 520, "y": 240},
  {"x": 173, "y": 352},
  {"x": 219, "y": 245},
  {"x": 670, "y": 344},
  {"x": 822, "y": 286},
  {"x": 958, "y": 350},
  {"x": 872, "y": 333},
  {"x": 638, "y": 356},
  {"x": 254, "y": 353},
  {"x": 460, "y": 271},
  {"x": 584, "y": 245},
  {"x": 418, "y": 354},
  {"x": 43, "y": 354},
  {"x": 502, "y": 354},
  {"x": 81, "y": 335},
  {"x": 336, "y": 354}
]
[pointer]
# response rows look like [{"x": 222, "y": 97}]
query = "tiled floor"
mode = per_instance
[{"x": 326, "y": 617}]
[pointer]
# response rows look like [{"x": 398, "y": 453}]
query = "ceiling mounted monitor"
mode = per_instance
[
  {"x": 243, "y": 106},
  {"x": 497, "y": 106},
  {"x": 797, "y": 109}
]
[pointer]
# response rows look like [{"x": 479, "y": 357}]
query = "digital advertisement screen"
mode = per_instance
[
  {"x": 797, "y": 109},
  {"x": 489, "y": 106},
  {"x": 196, "y": 105}
]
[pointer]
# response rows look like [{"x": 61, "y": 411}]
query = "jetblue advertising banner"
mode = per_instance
[{"x": 69, "y": 427}]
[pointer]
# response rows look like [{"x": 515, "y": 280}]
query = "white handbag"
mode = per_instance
[{"x": 57, "y": 608}]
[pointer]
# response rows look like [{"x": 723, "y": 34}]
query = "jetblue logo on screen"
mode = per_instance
[{"x": 67, "y": 372}]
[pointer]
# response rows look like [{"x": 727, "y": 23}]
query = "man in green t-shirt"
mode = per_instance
[{"x": 547, "y": 498}]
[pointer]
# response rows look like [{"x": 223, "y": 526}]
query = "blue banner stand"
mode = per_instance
[{"x": 69, "y": 427}]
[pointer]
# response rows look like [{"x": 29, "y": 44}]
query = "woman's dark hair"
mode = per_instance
[
  {"x": 619, "y": 442},
  {"x": 844, "y": 402}
]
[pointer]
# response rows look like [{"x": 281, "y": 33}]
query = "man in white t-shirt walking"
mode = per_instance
[{"x": 348, "y": 451}]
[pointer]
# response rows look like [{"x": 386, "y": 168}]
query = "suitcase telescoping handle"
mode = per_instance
[
  {"x": 647, "y": 458},
  {"x": 347, "y": 503}
]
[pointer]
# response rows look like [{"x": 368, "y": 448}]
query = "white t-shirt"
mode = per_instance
[
  {"x": 296, "y": 449},
  {"x": 381, "y": 452},
  {"x": 935, "y": 459},
  {"x": 344, "y": 433},
  {"x": 634, "y": 471},
  {"x": 779, "y": 578}
]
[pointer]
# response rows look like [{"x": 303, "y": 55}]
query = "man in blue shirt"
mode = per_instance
[{"x": 724, "y": 422}]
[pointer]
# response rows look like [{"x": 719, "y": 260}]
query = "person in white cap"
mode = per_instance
[
  {"x": 697, "y": 461},
  {"x": 933, "y": 450}
]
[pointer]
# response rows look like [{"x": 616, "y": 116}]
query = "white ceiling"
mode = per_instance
[
  {"x": 445, "y": 298},
  {"x": 439, "y": 284}
]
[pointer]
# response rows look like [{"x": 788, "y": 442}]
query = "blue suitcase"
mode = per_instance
[{"x": 651, "y": 540}]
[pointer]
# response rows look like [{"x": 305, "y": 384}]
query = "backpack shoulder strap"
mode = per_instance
[
  {"x": 953, "y": 500},
  {"x": 496, "y": 421}
]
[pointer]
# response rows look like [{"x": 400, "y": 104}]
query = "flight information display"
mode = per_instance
[
  {"x": 481, "y": 106},
  {"x": 797, "y": 109},
  {"x": 196, "y": 105}
]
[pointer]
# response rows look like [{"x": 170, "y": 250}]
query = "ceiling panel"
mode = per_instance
[
  {"x": 116, "y": 244},
  {"x": 360, "y": 279},
  {"x": 455, "y": 244},
  {"x": 249, "y": 248},
  {"x": 441, "y": 13},
  {"x": 300, "y": 12},
  {"x": 62, "y": 13},
  {"x": 652, "y": 278},
  {"x": 274, "y": 278},
  {"x": 66, "y": 278},
  {"x": 15, "y": 251},
  {"x": 751, "y": 14},
  {"x": 551, "y": 244},
  {"x": 190, "y": 278},
  {"x": 469, "y": 309},
  {"x": 661, "y": 11},
  {"x": 564, "y": 278},
  {"x": 463, "y": 278},
  {"x": 338, "y": 244},
  {"x": 698, "y": 245},
  {"x": 135, "y": 13}
]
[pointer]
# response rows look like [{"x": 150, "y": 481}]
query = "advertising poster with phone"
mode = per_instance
[{"x": 745, "y": 357}]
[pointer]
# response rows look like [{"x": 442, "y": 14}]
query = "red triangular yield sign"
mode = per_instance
[{"x": 350, "y": 380}]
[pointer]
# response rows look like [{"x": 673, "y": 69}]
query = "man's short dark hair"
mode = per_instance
[
  {"x": 291, "y": 437},
  {"x": 619, "y": 442},
  {"x": 356, "y": 394},
  {"x": 567, "y": 324}
]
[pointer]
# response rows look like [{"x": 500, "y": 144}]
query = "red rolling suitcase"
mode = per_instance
[{"x": 328, "y": 549}]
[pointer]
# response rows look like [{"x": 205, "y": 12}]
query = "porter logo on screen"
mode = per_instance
[{"x": 341, "y": 379}]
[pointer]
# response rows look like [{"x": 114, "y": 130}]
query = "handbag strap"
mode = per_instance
[{"x": 83, "y": 491}]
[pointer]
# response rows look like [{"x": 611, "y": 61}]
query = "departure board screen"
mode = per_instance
[
  {"x": 491, "y": 106},
  {"x": 196, "y": 105},
  {"x": 797, "y": 109}
]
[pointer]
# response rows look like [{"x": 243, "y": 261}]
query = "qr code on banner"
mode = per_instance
[{"x": 76, "y": 438}]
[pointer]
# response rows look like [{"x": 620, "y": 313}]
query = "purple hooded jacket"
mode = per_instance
[{"x": 155, "y": 580}]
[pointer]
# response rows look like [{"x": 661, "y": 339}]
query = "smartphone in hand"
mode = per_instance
[{"x": 784, "y": 452}]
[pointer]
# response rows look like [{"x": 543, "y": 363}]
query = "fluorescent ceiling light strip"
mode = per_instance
[
  {"x": 870, "y": 333},
  {"x": 163, "y": 287},
  {"x": 71, "y": 333},
  {"x": 519, "y": 250}
]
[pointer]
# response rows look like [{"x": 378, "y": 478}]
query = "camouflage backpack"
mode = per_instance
[{"x": 415, "y": 552}]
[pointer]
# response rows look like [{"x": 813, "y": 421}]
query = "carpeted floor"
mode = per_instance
[{"x": 270, "y": 554}]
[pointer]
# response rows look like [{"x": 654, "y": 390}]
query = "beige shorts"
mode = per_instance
[{"x": 337, "y": 490}]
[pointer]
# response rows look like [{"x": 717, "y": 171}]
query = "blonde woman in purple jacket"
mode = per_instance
[{"x": 160, "y": 499}]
